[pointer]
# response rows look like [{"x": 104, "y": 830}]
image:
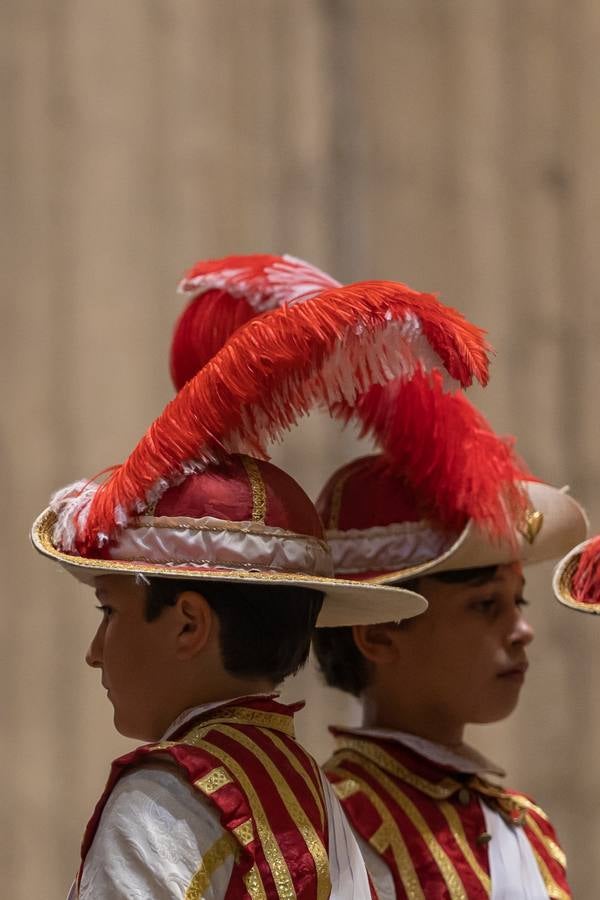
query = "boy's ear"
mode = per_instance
[
  {"x": 378, "y": 643},
  {"x": 196, "y": 623}
]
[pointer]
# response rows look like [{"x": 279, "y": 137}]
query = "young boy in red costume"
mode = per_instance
[
  {"x": 447, "y": 511},
  {"x": 211, "y": 571}
]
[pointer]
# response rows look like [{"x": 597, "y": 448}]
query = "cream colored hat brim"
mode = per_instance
[
  {"x": 346, "y": 602},
  {"x": 562, "y": 581},
  {"x": 564, "y": 524}
]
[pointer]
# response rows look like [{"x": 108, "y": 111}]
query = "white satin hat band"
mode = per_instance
[
  {"x": 205, "y": 544},
  {"x": 408, "y": 549}
]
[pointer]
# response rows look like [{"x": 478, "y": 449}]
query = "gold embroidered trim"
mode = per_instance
[
  {"x": 524, "y": 803},
  {"x": 214, "y": 781},
  {"x": 456, "y": 889},
  {"x": 458, "y": 832},
  {"x": 277, "y": 864},
  {"x": 259, "y": 492},
  {"x": 555, "y": 892},
  {"x": 381, "y": 839},
  {"x": 346, "y": 788},
  {"x": 336, "y": 499},
  {"x": 222, "y": 850},
  {"x": 385, "y": 761},
  {"x": 301, "y": 820},
  {"x": 556, "y": 852},
  {"x": 388, "y": 835},
  {"x": 299, "y": 768},
  {"x": 254, "y": 884},
  {"x": 258, "y": 717},
  {"x": 244, "y": 832}
]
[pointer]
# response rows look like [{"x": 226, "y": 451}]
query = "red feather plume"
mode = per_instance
[
  {"x": 228, "y": 292},
  {"x": 442, "y": 446},
  {"x": 326, "y": 350},
  {"x": 585, "y": 583}
]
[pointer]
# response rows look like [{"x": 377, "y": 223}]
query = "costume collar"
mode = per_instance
[
  {"x": 461, "y": 758},
  {"x": 259, "y": 709}
]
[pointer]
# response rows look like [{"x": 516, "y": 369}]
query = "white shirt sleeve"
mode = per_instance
[
  {"x": 349, "y": 879},
  {"x": 153, "y": 835},
  {"x": 514, "y": 871}
]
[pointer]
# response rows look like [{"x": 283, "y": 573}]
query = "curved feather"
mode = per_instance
[
  {"x": 447, "y": 452},
  {"x": 325, "y": 351}
]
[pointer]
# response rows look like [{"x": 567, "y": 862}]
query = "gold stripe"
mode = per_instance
[
  {"x": 277, "y": 864},
  {"x": 526, "y": 803},
  {"x": 216, "y": 779},
  {"x": 555, "y": 892},
  {"x": 259, "y": 492},
  {"x": 404, "y": 864},
  {"x": 260, "y": 718},
  {"x": 455, "y": 886},
  {"x": 458, "y": 832},
  {"x": 299, "y": 768},
  {"x": 385, "y": 761},
  {"x": 336, "y": 499},
  {"x": 346, "y": 788},
  {"x": 244, "y": 832},
  {"x": 254, "y": 884},
  {"x": 381, "y": 839},
  {"x": 301, "y": 820},
  {"x": 556, "y": 852},
  {"x": 213, "y": 859}
]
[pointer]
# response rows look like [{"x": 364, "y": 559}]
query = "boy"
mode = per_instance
[
  {"x": 211, "y": 571},
  {"x": 444, "y": 517}
]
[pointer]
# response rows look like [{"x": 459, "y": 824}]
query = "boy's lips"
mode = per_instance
[{"x": 518, "y": 670}]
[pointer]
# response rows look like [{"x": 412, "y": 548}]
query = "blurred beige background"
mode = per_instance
[{"x": 453, "y": 145}]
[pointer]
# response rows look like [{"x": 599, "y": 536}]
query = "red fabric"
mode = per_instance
[
  {"x": 225, "y": 492},
  {"x": 417, "y": 780},
  {"x": 231, "y": 801},
  {"x": 202, "y": 329},
  {"x": 371, "y": 495}
]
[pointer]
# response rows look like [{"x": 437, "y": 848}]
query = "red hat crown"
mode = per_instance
[{"x": 243, "y": 489}]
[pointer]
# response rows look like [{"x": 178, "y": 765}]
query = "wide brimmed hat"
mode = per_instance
[
  {"x": 243, "y": 521},
  {"x": 406, "y": 548},
  {"x": 325, "y": 350},
  {"x": 576, "y": 581},
  {"x": 447, "y": 493}
]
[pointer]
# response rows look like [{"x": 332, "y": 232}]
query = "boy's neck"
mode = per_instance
[{"x": 432, "y": 725}]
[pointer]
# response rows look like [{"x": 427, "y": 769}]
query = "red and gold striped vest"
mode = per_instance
[
  {"x": 242, "y": 757},
  {"x": 426, "y": 822}
]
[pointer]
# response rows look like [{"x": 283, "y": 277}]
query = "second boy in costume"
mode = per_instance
[{"x": 451, "y": 513}]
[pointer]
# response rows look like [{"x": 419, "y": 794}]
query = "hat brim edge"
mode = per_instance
[{"x": 346, "y": 602}]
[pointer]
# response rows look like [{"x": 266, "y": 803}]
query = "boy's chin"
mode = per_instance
[{"x": 135, "y": 731}]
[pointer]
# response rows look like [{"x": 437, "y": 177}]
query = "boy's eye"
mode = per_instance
[
  {"x": 484, "y": 606},
  {"x": 522, "y": 602}
]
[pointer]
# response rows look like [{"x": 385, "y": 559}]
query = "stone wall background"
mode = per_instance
[{"x": 452, "y": 145}]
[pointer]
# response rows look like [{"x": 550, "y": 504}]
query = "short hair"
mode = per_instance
[
  {"x": 342, "y": 664},
  {"x": 265, "y": 631}
]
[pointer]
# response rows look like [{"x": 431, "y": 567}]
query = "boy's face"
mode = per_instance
[
  {"x": 465, "y": 658},
  {"x": 135, "y": 656}
]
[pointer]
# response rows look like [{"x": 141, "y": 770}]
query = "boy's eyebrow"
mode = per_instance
[{"x": 100, "y": 593}]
